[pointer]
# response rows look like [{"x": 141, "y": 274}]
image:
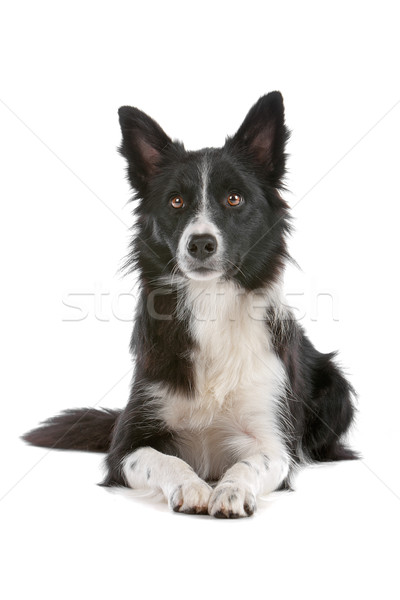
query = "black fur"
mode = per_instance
[
  {"x": 320, "y": 397},
  {"x": 252, "y": 163}
]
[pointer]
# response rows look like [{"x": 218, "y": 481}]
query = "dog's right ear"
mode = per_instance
[{"x": 143, "y": 145}]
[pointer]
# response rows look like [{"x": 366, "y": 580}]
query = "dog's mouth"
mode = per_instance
[
  {"x": 201, "y": 270},
  {"x": 203, "y": 274},
  {"x": 212, "y": 270}
]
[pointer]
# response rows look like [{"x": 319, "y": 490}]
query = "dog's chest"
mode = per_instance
[
  {"x": 237, "y": 376},
  {"x": 233, "y": 351}
]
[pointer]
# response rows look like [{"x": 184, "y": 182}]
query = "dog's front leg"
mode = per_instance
[
  {"x": 236, "y": 493},
  {"x": 183, "y": 489}
]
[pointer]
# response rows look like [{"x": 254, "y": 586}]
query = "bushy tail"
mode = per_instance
[
  {"x": 336, "y": 451},
  {"x": 76, "y": 429}
]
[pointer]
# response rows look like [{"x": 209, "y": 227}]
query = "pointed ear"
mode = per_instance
[
  {"x": 143, "y": 144},
  {"x": 263, "y": 135}
]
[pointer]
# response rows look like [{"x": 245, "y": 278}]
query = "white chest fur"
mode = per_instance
[
  {"x": 234, "y": 348},
  {"x": 239, "y": 380}
]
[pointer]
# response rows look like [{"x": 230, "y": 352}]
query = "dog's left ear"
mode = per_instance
[
  {"x": 143, "y": 145},
  {"x": 263, "y": 135}
]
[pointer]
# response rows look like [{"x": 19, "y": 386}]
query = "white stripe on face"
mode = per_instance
[
  {"x": 205, "y": 172},
  {"x": 201, "y": 224}
]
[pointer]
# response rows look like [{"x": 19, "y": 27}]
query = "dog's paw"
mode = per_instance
[
  {"x": 230, "y": 501},
  {"x": 191, "y": 498}
]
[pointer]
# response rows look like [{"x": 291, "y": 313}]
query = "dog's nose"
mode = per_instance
[{"x": 202, "y": 246}]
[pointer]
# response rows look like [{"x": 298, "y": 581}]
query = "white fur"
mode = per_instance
[
  {"x": 236, "y": 493},
  {"x": 184, "y": 490},
  {"x": 205, "y": 172}
]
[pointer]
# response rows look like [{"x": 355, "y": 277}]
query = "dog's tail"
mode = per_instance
[{"x": 76, "y": 429}]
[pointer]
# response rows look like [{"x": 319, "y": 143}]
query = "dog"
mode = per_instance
[{"x": 229, "y": 397}]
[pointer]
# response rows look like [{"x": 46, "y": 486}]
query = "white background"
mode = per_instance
[{"x": 197, "y": 68}]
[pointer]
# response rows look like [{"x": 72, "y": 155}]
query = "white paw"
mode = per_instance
[
  {"x": 191, "y": 498},
  {"x": 230, "y": 501}
]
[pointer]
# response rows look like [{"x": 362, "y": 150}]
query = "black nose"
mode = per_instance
[{"x": 202, "y": 246}]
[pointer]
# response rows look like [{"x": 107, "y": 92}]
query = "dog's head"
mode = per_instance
[{"x": 213, "y": 213}]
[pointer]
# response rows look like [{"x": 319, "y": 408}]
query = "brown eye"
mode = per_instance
[
  {"x": 234, "y": 199},
  {"x": 177, "y": 202}
]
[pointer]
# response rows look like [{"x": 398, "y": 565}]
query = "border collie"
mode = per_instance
[{"x": 229, "y": 396}]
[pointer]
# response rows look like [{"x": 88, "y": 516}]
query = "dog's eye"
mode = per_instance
[
  {"x": 177, "y": 202},
  {"x": 235, "y": 199}
]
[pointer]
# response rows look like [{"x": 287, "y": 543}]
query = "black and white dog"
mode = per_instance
[{"x": 227, "y": 388}]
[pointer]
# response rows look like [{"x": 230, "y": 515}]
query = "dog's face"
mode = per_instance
[{"x": 214, "y": 213}]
